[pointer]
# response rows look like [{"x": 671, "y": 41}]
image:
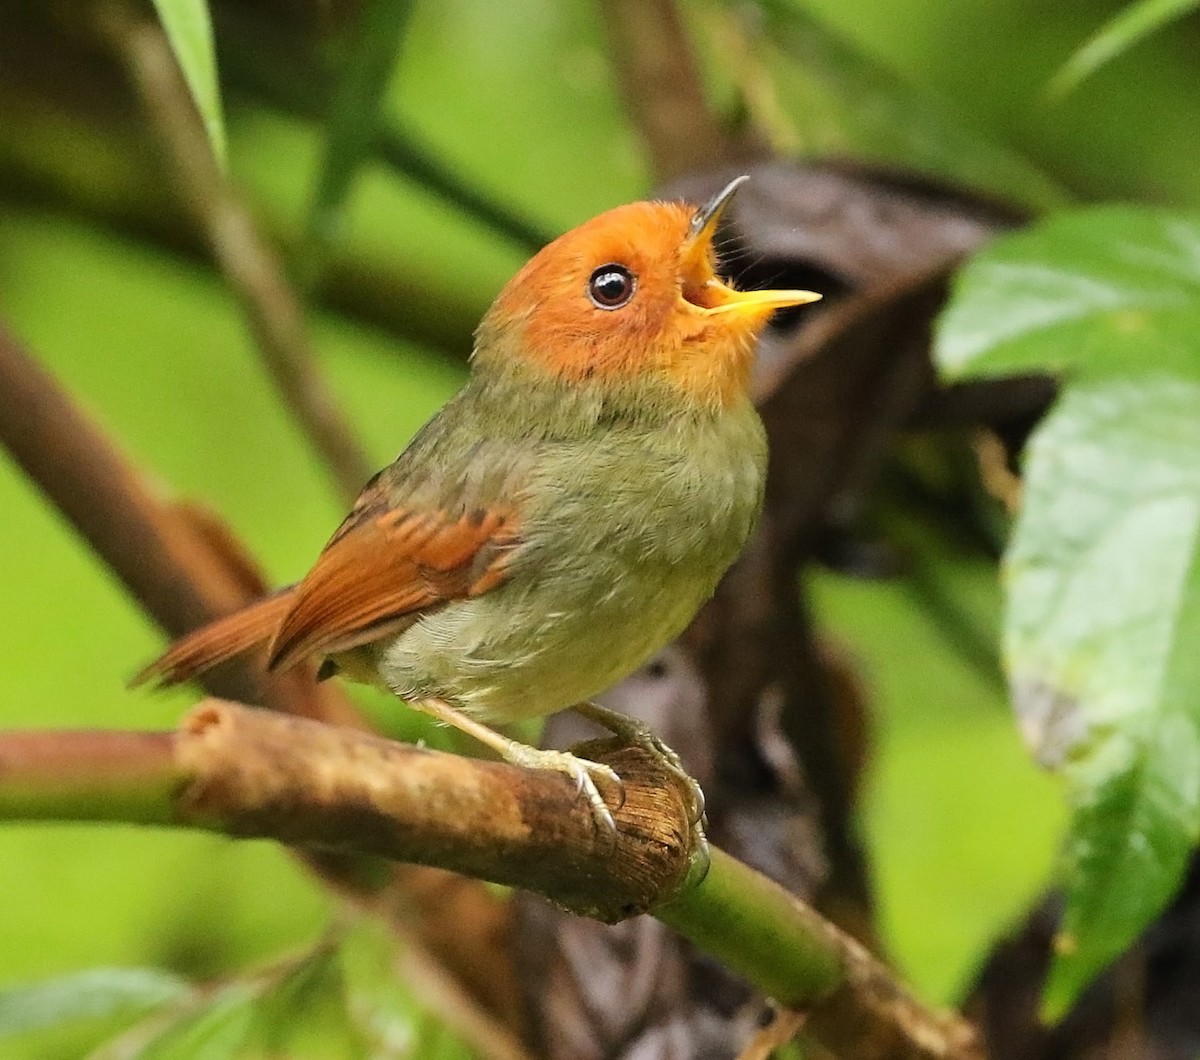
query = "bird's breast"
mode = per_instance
[{"x": 624, "y": 538}]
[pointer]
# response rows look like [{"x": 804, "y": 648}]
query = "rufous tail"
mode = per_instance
[{"x": 204, "y": 648}]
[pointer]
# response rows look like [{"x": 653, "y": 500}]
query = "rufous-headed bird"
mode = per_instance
[{"x": 565, "y": 515}]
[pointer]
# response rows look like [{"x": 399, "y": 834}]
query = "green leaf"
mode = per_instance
[
  {"x": 100, "y": 993},
  {"x": 216, "y": 1030},
  {"x": 354, "y": 119},
  {"x": 1118, "y": 35},
  {"x": 189, "y": 29},
  {"x": 1113, "y": 288},
  {"x": 304, "y": 1012},
  {"x": 1103, "y": 570},
  {"x": 342, "y": 1000},
  {"x": 1103, "y": 580}
]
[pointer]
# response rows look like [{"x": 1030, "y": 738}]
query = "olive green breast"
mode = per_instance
[{"x": 627, "y": 522}]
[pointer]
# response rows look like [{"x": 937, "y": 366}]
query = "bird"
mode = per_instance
[{"x": 564, "y": 516}]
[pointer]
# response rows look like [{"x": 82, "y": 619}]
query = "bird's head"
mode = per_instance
[{"x": 633, "y": 296}]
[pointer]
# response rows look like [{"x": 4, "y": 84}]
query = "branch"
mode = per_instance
[
  {"x": 655, "y": 65},
  {"x": 250, "y": 265},
  {"x": 180, "y": 564},
  {"x": 251, "y": 774}
]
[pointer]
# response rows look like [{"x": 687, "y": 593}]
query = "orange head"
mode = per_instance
[{"x": 631, "y": 296}]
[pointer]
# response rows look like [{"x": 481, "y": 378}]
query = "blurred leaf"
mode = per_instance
[
  {"x": 99, "y": 993},
  {"x": 342, "y": 999},
  {"x": 217, "y": 1030},
  {"x": 376, "y": 997},
  {"x": 354, "y": 123},
  {"x": 1118, "y": 35},
  {"x": 305, "y": 1013},
  {"x": 189, "y": 29},
  {"x": 1103, "y": 573},
  {"x": 944, "y": 753}
]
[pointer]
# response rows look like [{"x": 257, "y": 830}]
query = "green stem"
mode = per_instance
[
  {"x": 757, "y": 929},
  {"x": 130, "y": 777}
]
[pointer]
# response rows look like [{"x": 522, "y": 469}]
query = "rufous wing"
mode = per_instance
[
  {"x": 379, "y": 572},
  {"x": 382, "y": 570}
]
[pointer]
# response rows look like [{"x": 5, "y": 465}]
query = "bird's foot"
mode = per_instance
[
  {"x": 639, "y": 734},
  {"x": 584, "y": 772}
]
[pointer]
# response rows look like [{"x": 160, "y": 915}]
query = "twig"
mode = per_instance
[
  {"x": 655, "y": 66},
  {"x": 387, "y": 290},
  {"x": 784, "y": 1026},
  {"x": 250, "y": 774},
  {"x": 251, "y": 266}
]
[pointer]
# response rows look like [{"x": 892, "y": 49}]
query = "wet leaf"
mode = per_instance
[
  {"x": 1113, "y": 288},
  {"x": 189, "y": 29},
  {"x": 1104, "y": 610},
  {"x": 1103, "y": 571}
]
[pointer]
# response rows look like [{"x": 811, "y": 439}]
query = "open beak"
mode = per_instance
[{"x": 703, "y": 289}]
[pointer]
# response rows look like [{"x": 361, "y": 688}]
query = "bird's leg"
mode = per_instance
[
  {"x": 584, "y": 773},
  {"x": 639, "y": 734}
]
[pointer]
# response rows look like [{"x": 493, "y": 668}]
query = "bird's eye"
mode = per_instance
[{"x": 611, "y": 286}]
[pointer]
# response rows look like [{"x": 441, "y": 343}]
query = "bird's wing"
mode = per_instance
[
  {"x": 383, "y": 567},
  {"x": 439, "y": 524}
]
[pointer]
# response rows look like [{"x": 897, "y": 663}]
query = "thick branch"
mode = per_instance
[
  {"x": 251, "y": 266},
  {"x": 256, "y": 775}
]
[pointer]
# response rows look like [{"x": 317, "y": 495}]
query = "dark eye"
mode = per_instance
[{"x": 611, "y": 286}]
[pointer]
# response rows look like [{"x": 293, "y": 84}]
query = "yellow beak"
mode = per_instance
[{"x": 709, "y": 294}]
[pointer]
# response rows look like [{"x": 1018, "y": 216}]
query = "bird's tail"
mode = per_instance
[{"x": 209, "y": 645}]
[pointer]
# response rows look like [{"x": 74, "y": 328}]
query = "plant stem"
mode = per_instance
[
  {"x": 88, "y": 776},
  {"x": 253, "y": 269},
  {"x": 755, "y": 927}
]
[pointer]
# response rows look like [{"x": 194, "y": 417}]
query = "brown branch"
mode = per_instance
[
  {"x": 656, "y": 69},
  {"x": 253, "y": 269},
  {"x": 251, "y": 774},
  {"x": 180, "y": 564}
]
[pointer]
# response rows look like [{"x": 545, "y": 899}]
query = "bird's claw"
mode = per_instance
[
  {"x": 585, "y": 774},
  {"x": 639, "y": 734}
]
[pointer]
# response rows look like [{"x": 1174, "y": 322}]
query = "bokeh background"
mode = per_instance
[{"x": 520, "y": 100}]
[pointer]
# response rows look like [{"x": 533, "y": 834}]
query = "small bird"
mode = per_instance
[{"x": 565, "y": 515}]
